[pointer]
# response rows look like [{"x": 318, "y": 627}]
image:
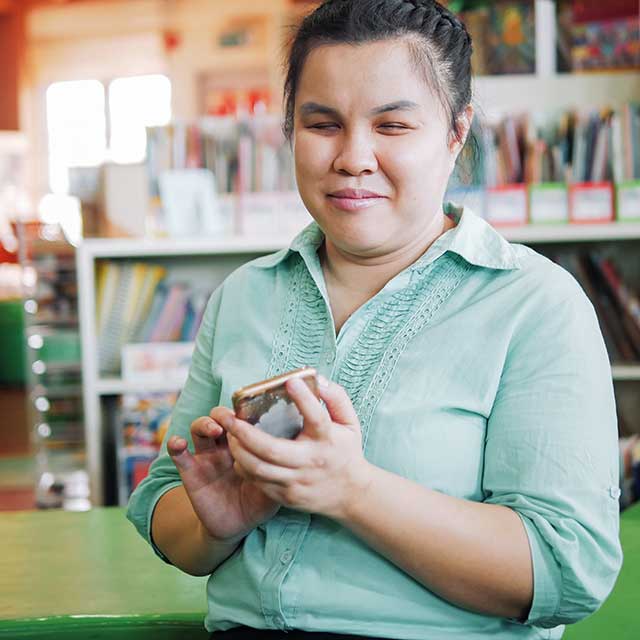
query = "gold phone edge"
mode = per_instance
[{"x": 258, "y": 388}]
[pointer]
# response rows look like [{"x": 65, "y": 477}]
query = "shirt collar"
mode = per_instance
[{"x": 473, "y": 238}]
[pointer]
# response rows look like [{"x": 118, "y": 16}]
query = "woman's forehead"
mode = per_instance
[{"x": 370, "y": 75}]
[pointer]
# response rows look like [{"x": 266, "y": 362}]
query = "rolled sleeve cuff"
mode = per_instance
[
  {"x": 141, "y": 509},
  {"x": 547, "y": 579}
]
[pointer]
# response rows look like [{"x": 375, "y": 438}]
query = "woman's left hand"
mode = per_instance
[{"x": 323, "y": 470}]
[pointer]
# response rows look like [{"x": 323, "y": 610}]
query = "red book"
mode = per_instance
[{"x": 599, "y": 11}]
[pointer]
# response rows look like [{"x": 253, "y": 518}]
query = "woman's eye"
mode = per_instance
[
  {"x": 324, "y": 126},
  {"x": 393, "y": 126}
]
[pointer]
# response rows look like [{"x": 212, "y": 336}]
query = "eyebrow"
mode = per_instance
[{"x": 309, "y": 108}]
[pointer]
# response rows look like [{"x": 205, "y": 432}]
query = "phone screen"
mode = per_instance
[{"x": 273, "y": 410}]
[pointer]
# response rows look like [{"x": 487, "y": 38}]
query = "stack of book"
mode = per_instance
[
  {"x": 616, "y": 303},
  {"x": 246, "y": 154},
  {"x": 574, "y": 166},
  {"x": 572, "y": 147},
  {"x": 136, "y": 303}
]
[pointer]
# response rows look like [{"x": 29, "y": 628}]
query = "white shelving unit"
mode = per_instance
[
  {"x": 220, "y": 257},
  {"x": 494, "y": 96}
]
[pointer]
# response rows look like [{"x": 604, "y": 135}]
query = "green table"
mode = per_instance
[
  {"x": 617, "y": 619},
  {"x": 66, "y": 576}
]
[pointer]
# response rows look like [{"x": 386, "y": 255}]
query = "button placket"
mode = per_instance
[{"x": 289, "y": 541}]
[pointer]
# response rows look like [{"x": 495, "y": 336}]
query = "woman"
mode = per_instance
[{"x": 460, "y": 480}]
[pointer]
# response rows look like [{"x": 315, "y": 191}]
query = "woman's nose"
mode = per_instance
[{"x": 356, "y": 155}]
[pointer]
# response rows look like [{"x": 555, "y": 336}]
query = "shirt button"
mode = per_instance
[
  {"x": 278, "y": 621},
  {"x": 286, "y": 557},
  {"x": 331, "y": 356}
]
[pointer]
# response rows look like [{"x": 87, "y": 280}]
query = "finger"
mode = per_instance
[
  {"x": 220, "y": 414},
  {"x": 338, "y": 402},
  {"x": 278, "y": 451},
  {"x": 253, "y": 468},
  {"x": 204, "y": 433},
  {"x": 315, "y": 416},
  {"x": 178, "y": 450}
]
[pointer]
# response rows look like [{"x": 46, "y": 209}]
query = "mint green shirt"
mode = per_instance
[{"x": 479, "y": 371}]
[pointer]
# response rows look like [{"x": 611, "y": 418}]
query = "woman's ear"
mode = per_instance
[{"x": 463, "y": 124}]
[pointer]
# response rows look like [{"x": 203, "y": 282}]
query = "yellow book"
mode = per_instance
[{"x": 153, "y": 276}]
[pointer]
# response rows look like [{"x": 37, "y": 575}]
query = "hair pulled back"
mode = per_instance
[{"x": 439, "y": 43}]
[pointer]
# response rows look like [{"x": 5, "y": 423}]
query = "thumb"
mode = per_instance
[
  {"x": 338, "y": 403},
  {"x": 180, "y": 454}
]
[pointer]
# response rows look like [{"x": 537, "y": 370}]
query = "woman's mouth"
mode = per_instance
[{"x": 354, "y": 199}]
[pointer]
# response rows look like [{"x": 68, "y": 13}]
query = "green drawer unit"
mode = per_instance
[{"x": 12, "y": 343}]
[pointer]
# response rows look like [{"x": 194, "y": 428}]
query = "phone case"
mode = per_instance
[{"x": 268, "y": 406}]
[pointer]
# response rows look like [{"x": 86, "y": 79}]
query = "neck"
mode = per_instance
[{"x": 366, "y": 276}]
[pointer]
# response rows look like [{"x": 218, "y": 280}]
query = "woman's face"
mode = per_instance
[{"x": 372, "y": 148}]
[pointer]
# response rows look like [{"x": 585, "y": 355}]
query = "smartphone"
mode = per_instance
[{"x": 268, "y": 406}]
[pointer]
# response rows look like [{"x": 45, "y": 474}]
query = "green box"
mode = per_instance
[
  {"x": 548, "y": 203},
  {"x": 628, "y": 201}
]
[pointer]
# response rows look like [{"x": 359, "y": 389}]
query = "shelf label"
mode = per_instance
[
  {"x": 591, "y": 202},
  {"x": 549, "y": 202},
  {"x": 507, "y": 205},
  {"x": 629, "y": 201}
]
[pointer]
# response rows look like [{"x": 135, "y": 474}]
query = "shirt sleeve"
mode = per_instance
[
  {"x": 551, "y": 454},
  {"x": 200, "y": 394}
]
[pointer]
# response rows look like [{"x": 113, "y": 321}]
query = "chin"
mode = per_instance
[{"x": 357, "y": 239}]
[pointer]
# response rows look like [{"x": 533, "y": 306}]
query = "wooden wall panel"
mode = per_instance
[{"x": 12, "y": 37}]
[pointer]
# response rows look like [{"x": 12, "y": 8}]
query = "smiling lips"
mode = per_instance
[{"x": 354, "y": 199}]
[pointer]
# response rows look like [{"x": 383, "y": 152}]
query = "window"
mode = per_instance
[
  {"x": 77, "y": 129},
  {"x": 81, "y": 113},
  {"x": 136, "y": 103}
]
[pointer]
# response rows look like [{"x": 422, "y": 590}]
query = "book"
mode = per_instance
[
  {"x": 138, "y": 305},
  {"x": 107, "y": 275},
  {"x": 171, "y": 315},
  {"x": 572, "y": 263},
  {"x": 153, "y": 276},
  {"x": 626, "y": 301},
  {"x": 110, "y": 337},
  {"x": 143, "y": 421},
  {"x": 608, "y": 308}
]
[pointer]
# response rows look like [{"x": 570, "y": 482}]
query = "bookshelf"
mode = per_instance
[
  {"x": 192, "y": 259},
  {"x": 212, "y": 259},
  {"x": 217, "y": 258},
  {"x": 54, "y": 376}
]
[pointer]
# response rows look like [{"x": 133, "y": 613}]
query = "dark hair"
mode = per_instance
[{"x": 439, "y": 44}]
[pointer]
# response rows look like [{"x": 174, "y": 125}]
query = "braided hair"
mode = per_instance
[{"x": 439, "y": 44}]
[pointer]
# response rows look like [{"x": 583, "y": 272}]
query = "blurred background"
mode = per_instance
[{"x": 141, "y": 160}]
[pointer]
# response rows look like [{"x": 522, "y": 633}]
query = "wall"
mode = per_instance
[{"x": 104, "y": 40}]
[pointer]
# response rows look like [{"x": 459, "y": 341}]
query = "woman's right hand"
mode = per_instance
[{"x": 228, "y": 506}]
